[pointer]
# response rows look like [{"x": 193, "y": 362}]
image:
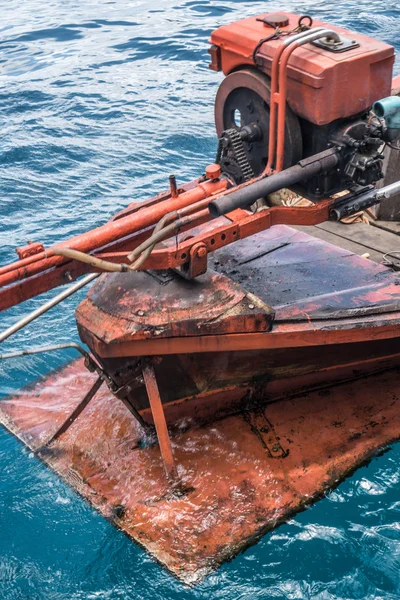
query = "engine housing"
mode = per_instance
[{"x": 323, "y": 84}]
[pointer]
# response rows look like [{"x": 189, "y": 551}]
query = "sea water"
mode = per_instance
[{"x": 99, "y": 102}]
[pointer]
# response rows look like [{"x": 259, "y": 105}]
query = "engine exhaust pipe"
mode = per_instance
[{"x": 302, "y": 171}]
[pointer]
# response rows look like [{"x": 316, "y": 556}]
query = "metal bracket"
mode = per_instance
[
  {"x": 197, "y": 263},
  {"x": 160, "y": 423},
  {"x": 264, "y": 430},
  {"x": 332, "y": 45},
  {"x": 30, "y": 249}
]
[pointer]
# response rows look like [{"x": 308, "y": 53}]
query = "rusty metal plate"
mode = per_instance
[
  {"x": 125, "y": 306},
  {"x": 305, "y": 278},
  {"x": 241, "y": 476}
]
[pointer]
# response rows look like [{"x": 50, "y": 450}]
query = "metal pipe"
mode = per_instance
[
  {"x": 47, "y": 306},
  {"x": 294, "y": 38},
  {"x": 93, "y": 261},
  {"x": 310, "y": 37},
  {"x": 304, "y": 170},
  {"x": 114, "y": 230},
  {"x": 274, "y": 90},
  {"x": 388, "y": 191}
]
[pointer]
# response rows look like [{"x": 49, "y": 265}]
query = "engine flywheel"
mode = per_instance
[{"x": 243, "y": 98}]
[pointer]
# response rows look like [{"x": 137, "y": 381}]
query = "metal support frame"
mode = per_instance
[
  {"x": 75, "y": 413},
  {"x": 92, "y": 366},
  {"x": 160, "y": 422}
]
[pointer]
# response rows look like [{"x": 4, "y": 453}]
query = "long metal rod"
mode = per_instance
[
  {"x": 77, "y": 411},
  {"x": 388, "y": 190},
  {"x": 47, "y": 306},
  {"x": 42, "y": 349}
]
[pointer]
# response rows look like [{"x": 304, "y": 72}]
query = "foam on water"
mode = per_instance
[{"x": 99, "y": 102}]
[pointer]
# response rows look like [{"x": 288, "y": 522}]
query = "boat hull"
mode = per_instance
[{"x": 277, "y": 313}]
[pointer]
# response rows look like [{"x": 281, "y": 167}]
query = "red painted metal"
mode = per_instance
[
  {"x": 280, "y": 297},
  {"x": 158, "y": 415},
  {"x": 43, "y": 275},
  {"x": 222, "y": 344},
  {"x": 30, "y": 249},
  {"x": 318, "y": 83},
  {"x": 110, "y": 232}
]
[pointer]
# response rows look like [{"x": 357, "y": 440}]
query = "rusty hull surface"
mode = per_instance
[
  {"x": 241, "y": 476},
  {"x": 319, "y": 294}
]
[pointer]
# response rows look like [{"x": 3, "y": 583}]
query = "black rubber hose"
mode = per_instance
[{"x": 302, "y": 171}]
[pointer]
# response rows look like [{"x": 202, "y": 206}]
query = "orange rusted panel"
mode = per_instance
[
  {"x": 321, "y": 295},
  {"x": 260, "y": 467}
]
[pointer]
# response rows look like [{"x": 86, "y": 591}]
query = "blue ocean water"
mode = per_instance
[{"x": 99, "y": 102}]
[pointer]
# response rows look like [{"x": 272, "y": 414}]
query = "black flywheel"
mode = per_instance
[{"x": 243, "y": 98}]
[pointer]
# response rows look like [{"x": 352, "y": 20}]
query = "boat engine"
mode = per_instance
[{"x": 300, "y": 103}]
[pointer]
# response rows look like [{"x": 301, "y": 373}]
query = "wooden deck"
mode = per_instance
[{"x": 376, "y": 239}]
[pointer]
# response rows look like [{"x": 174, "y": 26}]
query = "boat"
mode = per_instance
[{"x": 210, "y": 312}]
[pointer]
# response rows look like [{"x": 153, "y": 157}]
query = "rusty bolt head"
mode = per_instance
[
  {"x": 213, "y": 171},
  {"x": 202, "y": 251}
]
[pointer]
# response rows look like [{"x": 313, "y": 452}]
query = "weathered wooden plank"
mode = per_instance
[
  {"x": 341, "y": 242},
  {"x": 391, "y": 226},
  {"x": 371, "y": 238},
  {"x": 389, "y": 210}
]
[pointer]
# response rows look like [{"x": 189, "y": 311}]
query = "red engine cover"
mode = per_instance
[{"x": 322, "y": 86}]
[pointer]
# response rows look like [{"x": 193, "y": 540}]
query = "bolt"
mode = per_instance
[
  {"x": 140, "y": 313},
  {"x": 172, "y": 186},
  {"x": 201, "y": 252},
  {"x": 251, "y": 305}
]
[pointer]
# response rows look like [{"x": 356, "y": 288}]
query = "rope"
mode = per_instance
[{"x": 279, "y": 33}]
